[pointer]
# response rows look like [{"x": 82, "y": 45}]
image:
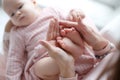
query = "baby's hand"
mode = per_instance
[{"x": 74, "y": 15}]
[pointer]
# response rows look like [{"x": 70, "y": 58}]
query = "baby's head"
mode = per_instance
[{"x": 21, "y": 12}]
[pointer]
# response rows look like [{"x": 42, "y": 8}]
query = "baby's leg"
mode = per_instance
[{"x": 47, "y": 69}]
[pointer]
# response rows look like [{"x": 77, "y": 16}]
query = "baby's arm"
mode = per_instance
[
  {"x": 8, "y": 27},
  {"x": 15, "y": 59}
]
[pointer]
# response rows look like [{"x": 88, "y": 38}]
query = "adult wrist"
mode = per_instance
[
  {"x": 100, "y": 54},
  {"x": 100, "y": 45}
]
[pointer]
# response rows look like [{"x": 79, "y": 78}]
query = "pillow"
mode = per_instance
[
  {"x": 112, "y": 3},
  {"x": 112, "y": 30}
]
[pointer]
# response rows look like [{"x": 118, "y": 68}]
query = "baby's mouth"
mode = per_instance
[{"x": 21, "y": 18}]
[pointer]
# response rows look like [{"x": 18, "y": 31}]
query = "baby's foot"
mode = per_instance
[
  {"x": 73, "y": 35},
  {"x": 70, "y": 47}
]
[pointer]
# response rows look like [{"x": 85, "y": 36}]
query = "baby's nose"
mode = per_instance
[{"x": 18, "y": 13}]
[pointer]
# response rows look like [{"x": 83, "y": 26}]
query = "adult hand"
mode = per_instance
[
  {"x": 92, "y": 37},
  {"x": 64, "y": 60}
]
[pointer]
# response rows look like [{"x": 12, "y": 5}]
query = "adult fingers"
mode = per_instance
[
  {"x": 50, "y": 30},
  {"x": 47, "y": 45},
  {"x": 56, "y": 29},
  {"x": 65, "y": 23},
  {"x": 53, "y": 30},
  {"x": 68, "y": 24}
]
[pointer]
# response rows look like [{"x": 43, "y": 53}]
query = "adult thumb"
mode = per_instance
[{"x": 47, "y": 45}]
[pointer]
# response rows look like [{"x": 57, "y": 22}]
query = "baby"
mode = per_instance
[{"x": 27, "y": 59}]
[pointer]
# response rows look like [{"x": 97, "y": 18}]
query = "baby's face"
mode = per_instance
[{"x": 21, "y": 12}]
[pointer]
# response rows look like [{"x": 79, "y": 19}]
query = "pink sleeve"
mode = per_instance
[
  {"x": 14, "y": 68},
  {"x": 72, "y": 78},
  {"x": 103, "y": 52},
  {"x": 2, "y": 67},
  {"x": 6, "y": 43},
  {"x": 110, "y": 46}
]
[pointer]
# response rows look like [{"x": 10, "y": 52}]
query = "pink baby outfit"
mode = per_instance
[{"x": 24, "y": 49}]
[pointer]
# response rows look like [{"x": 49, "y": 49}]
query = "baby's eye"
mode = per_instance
[
  {"x": 12, "y": 14},
  {"x": 20, "y": 7}
]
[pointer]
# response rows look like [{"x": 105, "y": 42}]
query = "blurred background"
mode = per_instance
[{"x": 100, "y": 11}]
